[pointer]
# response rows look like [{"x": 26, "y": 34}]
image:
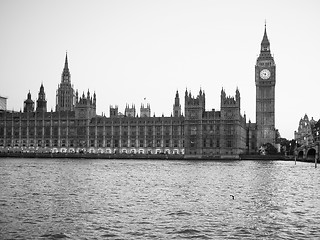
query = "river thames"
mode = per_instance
[{"x": 158, "y": 199}]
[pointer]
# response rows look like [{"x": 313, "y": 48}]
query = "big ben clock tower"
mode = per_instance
[{"x": 265, "y": 77}]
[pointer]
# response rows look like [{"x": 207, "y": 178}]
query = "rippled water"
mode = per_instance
[{"x": 148, "y": 199}]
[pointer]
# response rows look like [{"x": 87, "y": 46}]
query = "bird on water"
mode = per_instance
[{"x": 232, "y": 196}]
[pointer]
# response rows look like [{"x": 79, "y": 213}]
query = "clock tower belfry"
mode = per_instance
[{"x": 265, "y": 79}]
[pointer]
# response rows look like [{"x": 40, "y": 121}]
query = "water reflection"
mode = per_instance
[{"x": 131, "y": 199}]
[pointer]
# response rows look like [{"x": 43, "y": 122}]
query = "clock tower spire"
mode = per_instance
[{"x": 265, "y": 79}]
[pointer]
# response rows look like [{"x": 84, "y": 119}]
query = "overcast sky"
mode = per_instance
[{"x": 126, "y": 51}]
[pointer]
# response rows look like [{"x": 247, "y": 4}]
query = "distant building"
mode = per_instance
[
  {"x": 316, "y": 131},
  {"x": 74, "y": 126},
  {"x": 3, "y": 103},
  {"x": 307, "y": 139},
  {"x": 308, "y": 131}
]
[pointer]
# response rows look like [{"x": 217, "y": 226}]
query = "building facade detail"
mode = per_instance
[{"x": 74, "y": 126}]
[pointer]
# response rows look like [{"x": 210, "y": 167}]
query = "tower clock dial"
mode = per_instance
[{"x": 265, "y": 74}]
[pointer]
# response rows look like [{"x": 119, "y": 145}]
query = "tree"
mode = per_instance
[{"x": 268, "y": 149}]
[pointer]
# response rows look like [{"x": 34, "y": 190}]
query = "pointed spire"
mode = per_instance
[
  {"x": 66, "y": 62},
  {"x": 265, "y": 44},
  {"x": 265, "y": 53},
  {"x": 66, "y": 73},
  {"x": 41, "y": 89}
]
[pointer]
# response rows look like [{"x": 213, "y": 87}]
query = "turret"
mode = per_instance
[
  {"x": 94, "y": 99},
  {"x": 41, "y": 102},
  {"x": 145, "y": 111},
  {"x": 28, "y": 104},
  {"x": 130, "y": 111},
  {"x": 113, "y": 111},
  {"x": 77, "y": 96},
  {"x": 177, "y": 106},
  {"x": 230, "y": 100},
  {"x": 85, "y": 106},
  {"x": 194, "y": 106}
]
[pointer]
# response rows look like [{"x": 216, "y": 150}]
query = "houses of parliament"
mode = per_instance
[{"x": 74, "y": 126}]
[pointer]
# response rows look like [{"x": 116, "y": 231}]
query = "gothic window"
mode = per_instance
[
  {"x": 1, "y": 131},
  {"x": 158, "y": 131},
  {"x": 31, "y": 131},
  {"x": 192, "y": 143},
  {"x": 64, "y": 131},
  {"x": 16, "y": 132},
  {"x": 39, "y": 133},
  {"x": 211, "y": 143},
  {"x": 47, "y": 131},
  {"x": 193, "y": 130}
]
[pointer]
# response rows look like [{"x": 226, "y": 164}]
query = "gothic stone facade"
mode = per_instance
[{"x": 75, "y": 126}]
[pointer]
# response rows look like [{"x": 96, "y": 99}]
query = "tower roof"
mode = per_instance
[
  {"x": 265, "y": 40},
  {"x": 66, "y": 62},
  {"x": 65, "y": 78},
  {"x": 265, "y": 53},
  {"x": 41, "y": 88}
]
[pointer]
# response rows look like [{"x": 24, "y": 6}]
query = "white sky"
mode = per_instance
[{"x": 126, "y": 51}]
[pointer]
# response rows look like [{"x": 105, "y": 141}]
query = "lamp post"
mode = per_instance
[
  {"x": 316, "y": 157},
  {"x": 295, "y": 152}
]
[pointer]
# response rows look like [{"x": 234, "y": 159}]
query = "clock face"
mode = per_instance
[{"x": 265, "y": 74}]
